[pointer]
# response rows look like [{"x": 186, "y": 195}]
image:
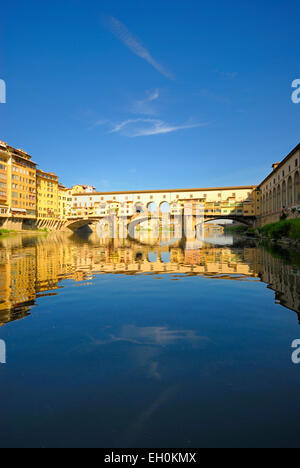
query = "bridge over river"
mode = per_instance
[{"x": 240, "y": 204}]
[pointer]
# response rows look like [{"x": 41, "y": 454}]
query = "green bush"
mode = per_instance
[
  {"x": 295, "y": 229},
  {"x": 6, "y": 231},
  {"x": 289, "y": 228}
]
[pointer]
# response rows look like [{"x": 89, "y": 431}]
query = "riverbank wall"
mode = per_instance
[
  {"x": 263, "y": 220},
  {"x": 23, "y": 225}
]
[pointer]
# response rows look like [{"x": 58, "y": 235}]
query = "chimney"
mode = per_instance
[{"x": 275, "y": 165}]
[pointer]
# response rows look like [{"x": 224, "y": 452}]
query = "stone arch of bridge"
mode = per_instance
[
  {"x": 246, "y": 220},
  {"x": 78, "y": 224}
]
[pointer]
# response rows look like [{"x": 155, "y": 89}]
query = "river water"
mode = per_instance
[{"x": 139, "y": 344}]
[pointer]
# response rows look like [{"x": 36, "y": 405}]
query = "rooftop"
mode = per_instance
[
  {"x": 136, "y": 192},
  {"x": 277, "y": 166}
]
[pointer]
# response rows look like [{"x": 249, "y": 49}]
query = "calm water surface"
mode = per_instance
[{"x": 123, "y": 344}]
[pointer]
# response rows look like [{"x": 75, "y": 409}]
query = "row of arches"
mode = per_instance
[
  {"x": 285, "y": 194},
  {"x": 152, "y": 207}
]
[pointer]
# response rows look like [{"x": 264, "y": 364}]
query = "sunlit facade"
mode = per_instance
[
  {"x": 47, "y": 196},
  {"x": 65, "y": 202},
  {"x": 17, "y": 187}
]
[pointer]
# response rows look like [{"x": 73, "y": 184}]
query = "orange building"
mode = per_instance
[{"x": 17, "y": 186}]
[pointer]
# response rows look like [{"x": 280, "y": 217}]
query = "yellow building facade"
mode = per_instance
[
  {"x": 47, "y": 198},
  {"x": 65, "y": 202}
]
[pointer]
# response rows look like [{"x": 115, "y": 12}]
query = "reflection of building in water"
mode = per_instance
[
  {"x": 283, "y": 279},
  {"x": 31, "y": 267},
  {"x": 213, "y": 230},
  {"x": 17, "y": 283}
]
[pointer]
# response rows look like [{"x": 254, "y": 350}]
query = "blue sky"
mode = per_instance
[{"x": 139, "y": 94}]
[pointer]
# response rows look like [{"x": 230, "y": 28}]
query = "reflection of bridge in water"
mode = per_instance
[{"x": 31, "y": 268}]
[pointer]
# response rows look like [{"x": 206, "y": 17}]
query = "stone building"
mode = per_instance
[
  {"x": 281, "y": 188},
  {"x": 17, "y": 188}
]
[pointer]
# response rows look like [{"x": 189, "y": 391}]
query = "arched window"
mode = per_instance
[
  {"x": 263, "y": 208},
  {"x": 279, "y": 204},
  {"x": 164, "y": 207},
  {"x": 284, "y": 199},
  {"x": 290, "y": 192},
  {"x": 152, "y": 207},
  {"x": 297, "y": 188},
  {"x": 267, "y": 203}
]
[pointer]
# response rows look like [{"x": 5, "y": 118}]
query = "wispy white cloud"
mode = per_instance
[
  {"x": 125, "y": 36},
  {"x": 146, "y": 106},
  {"x": 154, "y": 95},
  {"x": 148, "y": 127},
  {"x": 100, "y": 123}
]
